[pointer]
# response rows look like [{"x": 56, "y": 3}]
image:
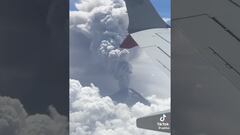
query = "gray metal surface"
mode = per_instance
[
  {"x": 225, "y": 11},
  {"x": 152, "y": 35},
  {"x": 216, "y": 45},
  {"x": 156, "y": 43},
  {"x": 142, "y": 16},
  {"x": 205, "y": 67},
  {"x": 158, "y": 122}
]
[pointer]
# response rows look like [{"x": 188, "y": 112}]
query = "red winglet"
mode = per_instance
[{"x": 129, "y": 42}]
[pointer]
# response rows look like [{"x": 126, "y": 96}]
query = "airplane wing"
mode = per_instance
[
  {"x": 156, "y": 33},
  {"x": 158, "y": 122},
  {"x": 206, "y": 66},
  {"x": 156, "y": 43},
  {"x": 142, "y": 16},
  {"x": 148, "y": 31}
]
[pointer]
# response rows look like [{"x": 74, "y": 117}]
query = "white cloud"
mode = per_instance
[
  {"x": 92, "y": 114},
  {"x": 167, "y": 20},
  {"x": 14, "y": 120}
]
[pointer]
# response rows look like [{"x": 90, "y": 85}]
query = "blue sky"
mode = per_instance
[{"x": 163, "y": 7}]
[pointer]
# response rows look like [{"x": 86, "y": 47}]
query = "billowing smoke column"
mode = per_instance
[{"x": 105, "y": 23}]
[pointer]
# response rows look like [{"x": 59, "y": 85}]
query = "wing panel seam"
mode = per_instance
[
  {"x": 162, "y": 38},
  {"x": 225, "y": 28},
  {"x": 163, "y": 51},
  {"x": 224, "y": 60},
  {"x": 234, "y": 3},
  {"x": 163, "y": 65},
  {"x": 215, "y": 20}
]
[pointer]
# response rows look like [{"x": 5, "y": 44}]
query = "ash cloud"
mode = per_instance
[{"x": 103, "y": 26}]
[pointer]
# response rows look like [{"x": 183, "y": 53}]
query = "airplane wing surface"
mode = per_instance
[
  {"x": 215, "y": 44},
  {"x": 142, "y": 16},
  {"x": 205, "y": 59},
  {"x": 157, "y": 122},
  {"x": 148, "y": 31},
  {"x": 156, "y": 43},
  {"x": 206, "y": 67}
]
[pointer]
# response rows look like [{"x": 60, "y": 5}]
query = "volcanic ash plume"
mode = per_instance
[{"x": 105, "y": 23}]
